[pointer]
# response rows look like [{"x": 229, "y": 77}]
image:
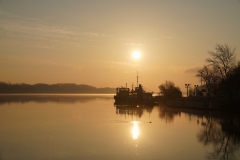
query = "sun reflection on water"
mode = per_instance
[{"x": 135, "y": 129}]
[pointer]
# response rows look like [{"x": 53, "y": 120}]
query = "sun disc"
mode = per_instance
[{"x": 136, "y": 54}]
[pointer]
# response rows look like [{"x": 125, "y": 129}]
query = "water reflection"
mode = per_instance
[
  {"x": 135, "y": 129},
  {"x": 167, "y": 114},
  {"x": 222, "y": 133},
  {"x": 219, "y": 131},
  {"x": 133, "y": 110},
  {"x": 39, "y": 129},
  {"x": 56, "y": 98}
]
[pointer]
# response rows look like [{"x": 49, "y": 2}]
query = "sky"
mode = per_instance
[{"x": 92, "y": 41}]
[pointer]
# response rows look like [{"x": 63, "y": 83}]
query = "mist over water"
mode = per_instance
[{"x": 92, "y": 127}]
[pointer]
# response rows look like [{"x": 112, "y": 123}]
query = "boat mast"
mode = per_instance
[{"x": 137, "y": 79}]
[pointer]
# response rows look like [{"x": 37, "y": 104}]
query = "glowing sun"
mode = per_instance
[{"x": 136, "y": 54}]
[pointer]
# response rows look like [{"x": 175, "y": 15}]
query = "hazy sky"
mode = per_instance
[{"x": 92, "y": 41}]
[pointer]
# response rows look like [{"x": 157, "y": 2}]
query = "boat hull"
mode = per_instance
[{"x": 132, "y": 100}]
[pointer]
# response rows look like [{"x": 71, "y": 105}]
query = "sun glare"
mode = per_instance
[
  {"x": 136, "y": 54},
  {"x": 135, "y": 129}
]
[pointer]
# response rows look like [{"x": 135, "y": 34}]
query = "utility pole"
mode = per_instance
[
  {"x": 187, "y": 86},
  {"x": 196, "y": 87}
]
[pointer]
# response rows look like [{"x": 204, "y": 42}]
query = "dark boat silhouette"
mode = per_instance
[{"x": 133, "y": 96}]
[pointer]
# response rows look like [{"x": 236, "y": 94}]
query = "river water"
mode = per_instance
[{"x": 62, "y": 127}]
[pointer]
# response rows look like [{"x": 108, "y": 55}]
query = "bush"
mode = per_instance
[{"x": 169, "y": 90}]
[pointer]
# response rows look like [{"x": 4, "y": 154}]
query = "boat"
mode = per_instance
[{"x": 133, "y": 96}]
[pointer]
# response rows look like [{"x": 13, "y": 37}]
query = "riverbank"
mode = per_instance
[{"x": 201, "y": 103}]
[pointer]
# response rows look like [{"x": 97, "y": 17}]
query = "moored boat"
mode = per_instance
[{"x": 133, "y": 96}]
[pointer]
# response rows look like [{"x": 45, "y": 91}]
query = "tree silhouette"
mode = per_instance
[
  {"x": 169, "y": 90},
  {"x": 52, "y": 88},
  {"x": 210, "y": 76},
  {"x": 224, "y": 59},
  {"x": 220, "y": 73}
]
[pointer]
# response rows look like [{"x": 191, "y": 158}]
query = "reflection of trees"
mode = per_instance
[
  {"x": 223, "y": 134},
  {"x": 167, "y": 113},
  {"x": 56, "y": 98},
  {"x": 220, "y": 131},
  {"x": 133, "y": 110}
]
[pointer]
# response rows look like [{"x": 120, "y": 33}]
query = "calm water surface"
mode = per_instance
[{"x": 62, "y": 127}]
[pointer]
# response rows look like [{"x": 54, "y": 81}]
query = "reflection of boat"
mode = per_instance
[
  {"x": 134, "y": 96},
  {"x": 134, "y": 109}
]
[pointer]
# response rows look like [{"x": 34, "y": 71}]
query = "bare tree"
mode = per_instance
[
  {"x": 224, "y": 59},
  {"x": 210, "y": 76}
]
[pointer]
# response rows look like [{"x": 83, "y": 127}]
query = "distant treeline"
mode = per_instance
[{"x": 52, "y": 88}]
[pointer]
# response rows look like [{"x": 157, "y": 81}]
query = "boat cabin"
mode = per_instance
[{"x": 122, "y": 91}]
